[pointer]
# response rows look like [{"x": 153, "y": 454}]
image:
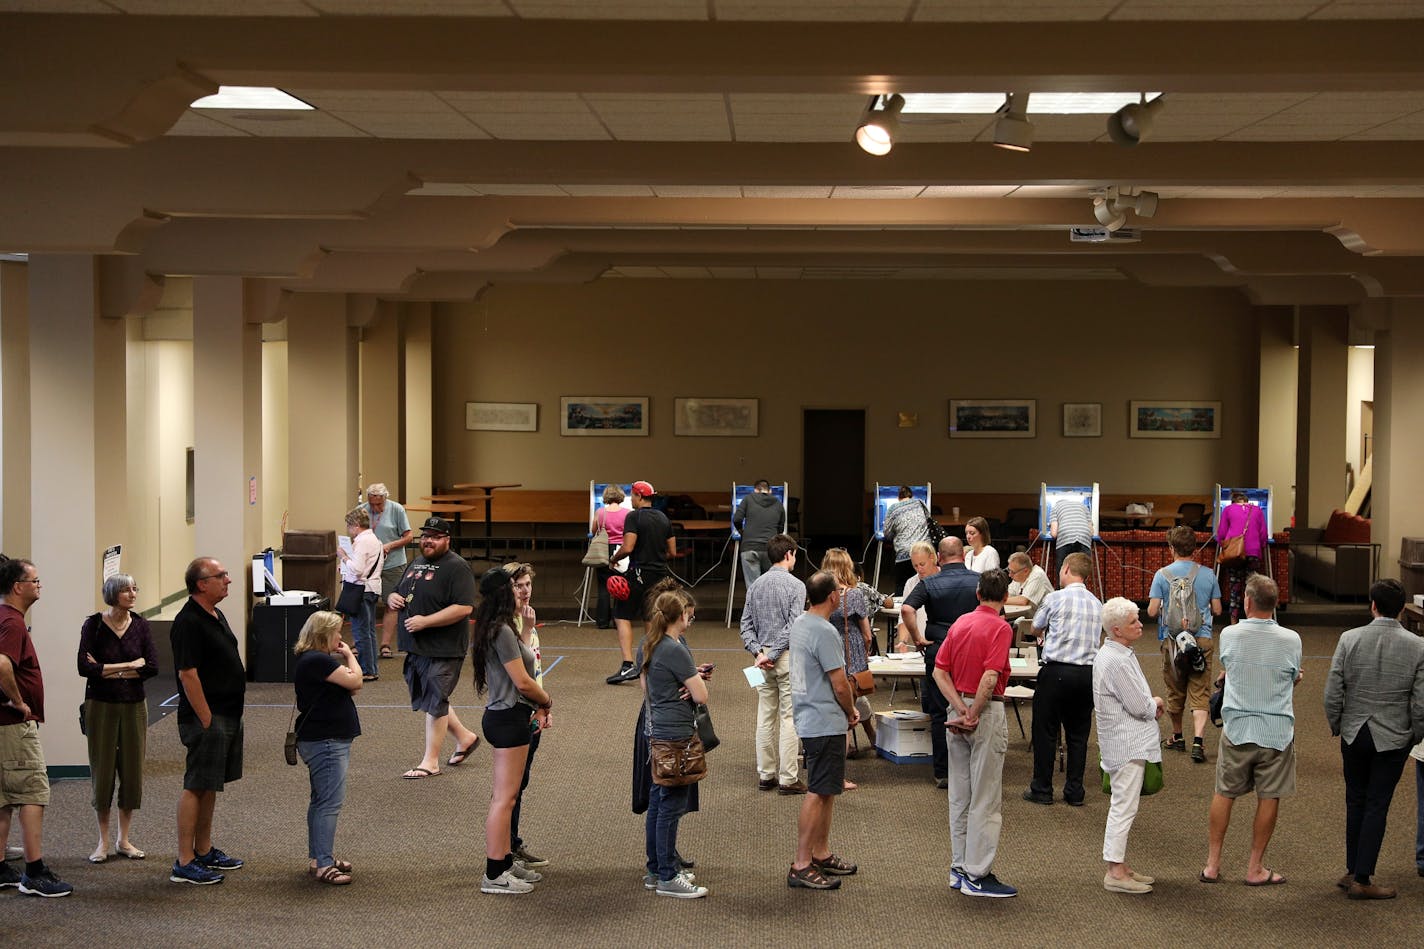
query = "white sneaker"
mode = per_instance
[
  {"x": 520, "y": 872},
  {"x": 650, "y": 880},
  {"x": 680, "y": 887},
  {"x": 504, "y": 883}
]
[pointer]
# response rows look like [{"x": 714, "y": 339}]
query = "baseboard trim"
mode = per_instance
[{"x": 68, "y": 772}]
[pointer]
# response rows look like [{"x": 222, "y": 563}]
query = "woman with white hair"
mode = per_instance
[
  {"x": 116, "y": 653},
  {"x": 1127, "y": 736}
]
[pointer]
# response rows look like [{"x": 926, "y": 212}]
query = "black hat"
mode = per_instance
[
  {"x": 435, "y": 525},
  {"x": 494, "y": 579}
]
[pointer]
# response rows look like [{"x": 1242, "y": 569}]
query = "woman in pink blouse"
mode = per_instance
[{"x": 1237, "y": 518}]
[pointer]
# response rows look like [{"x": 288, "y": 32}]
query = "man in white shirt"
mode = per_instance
[{"x": 1028, "y": 585}]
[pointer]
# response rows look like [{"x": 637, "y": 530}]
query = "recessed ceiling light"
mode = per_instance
[
  {"x": 1044, "y": 103},
  {"x": 251, "y": 97}
]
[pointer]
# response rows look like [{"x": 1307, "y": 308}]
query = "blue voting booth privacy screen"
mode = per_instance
[
  {"x": 740, "y": 491},
  {"x": 887, "y": 495},
  {"x": 1261, "y": 497},
  {"x": 595, "y": 497},
  {"x": 1049, "y": 495}
]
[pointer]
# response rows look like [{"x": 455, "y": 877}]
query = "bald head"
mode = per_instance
[{"x": 951, "y": 550}]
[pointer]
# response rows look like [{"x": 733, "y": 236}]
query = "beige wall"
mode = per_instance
[
  {"x": 1359, "y": 387},
  {"x": 886, "y": 346},
  {"x": 275, "y": 414}
]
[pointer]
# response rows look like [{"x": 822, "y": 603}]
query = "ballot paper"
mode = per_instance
[{"x": 755, "y": 676}]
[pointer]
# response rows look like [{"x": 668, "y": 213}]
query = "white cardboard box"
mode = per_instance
[{"x": 903, "y": 733}]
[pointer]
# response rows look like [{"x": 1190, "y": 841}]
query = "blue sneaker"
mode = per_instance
[
  {"x": 956, "y": 877},
  {"x": 44, "y": 883},
  {"x": 986, "y": 885},
  {"x": 215, "y": 859},
  {"x": 195, "y": 873}
]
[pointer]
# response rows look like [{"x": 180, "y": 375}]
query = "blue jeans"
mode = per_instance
[
  {"x": 363, "y": 633},
  {"x": 665, "y": 808},
  {"x": 754, "y": 564},
  {"x": 326, "y": 761}
]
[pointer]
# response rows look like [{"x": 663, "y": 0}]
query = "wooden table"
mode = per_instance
[
  {"x": 443, "y": 508},
  {"x": 487, "y": 489}
]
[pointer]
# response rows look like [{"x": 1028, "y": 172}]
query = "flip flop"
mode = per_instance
[
  {"x": 1203, "y": 878},
  {"x": 1272, "y": 879},
  {"x": 458, "y": 758},
  {"x": 415, "y": 774},
  {"x": 386, "y": 653}
]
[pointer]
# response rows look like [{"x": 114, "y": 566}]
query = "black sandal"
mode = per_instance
[
  {"x": 811, "y": 878},
  {"x": 386, "y": 653},
  {"x": 332, "y": 875}
]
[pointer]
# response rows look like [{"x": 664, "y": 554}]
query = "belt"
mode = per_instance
[
  {"x": 1075, "y": 665},
  {"x": 992, "y": 698}
]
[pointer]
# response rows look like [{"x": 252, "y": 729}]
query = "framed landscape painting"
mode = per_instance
[
  {"x": 993, "y": 418},
  {"x": 716, "y": 417},
  {"x": 1165, "y": 419},
  {"x": 1082, "y": 419},
  {"x": 502, "y": 416},
  {"x": 585, "y": 415}
]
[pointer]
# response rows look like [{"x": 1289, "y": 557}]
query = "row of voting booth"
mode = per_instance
[{"x": 887, "y": 495}]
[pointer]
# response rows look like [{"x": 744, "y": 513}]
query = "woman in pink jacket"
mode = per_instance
[{"x": 1237, "y": 518}]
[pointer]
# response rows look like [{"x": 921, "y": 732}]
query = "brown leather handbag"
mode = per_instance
[
  {"x": 677, "y": 761},
  {"x": 863, "y": 682}
]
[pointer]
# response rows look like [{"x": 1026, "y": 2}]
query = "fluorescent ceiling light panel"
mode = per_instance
[
  {"x": 251, "y": 97},
  {"x": 1043, "y": 103}
]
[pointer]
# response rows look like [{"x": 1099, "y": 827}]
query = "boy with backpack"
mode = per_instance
[{"x": 1186, "y": 596}]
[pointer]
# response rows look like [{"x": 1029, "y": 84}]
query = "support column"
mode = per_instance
[
  {"x": 1398, "y": 505},
  {"x": 14, "y": 406},
  {"x": 1276, "y": 426},
  {"x": 419, "y": 425},
  {"x": 321, "y": 388},
  {"x": 382, "y": 400},
  {"x": 1320, "y": 413},
  {"x": 227, "y": 437},
  {"x": 64, "y": 495}
]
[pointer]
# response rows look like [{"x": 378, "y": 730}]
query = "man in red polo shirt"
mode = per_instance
[{"x": 971, "y": 670}]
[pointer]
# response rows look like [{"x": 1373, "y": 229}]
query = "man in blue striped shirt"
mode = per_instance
[{"x": 1261, "y": 662}]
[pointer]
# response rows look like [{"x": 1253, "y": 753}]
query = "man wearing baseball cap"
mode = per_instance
[
  {"x": 647, "y": 543},
  {"x": 434, "y": 600}
]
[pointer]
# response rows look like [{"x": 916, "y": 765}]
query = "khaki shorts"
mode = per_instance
[
  {"x": 1243, "y": 768},
  {"x": 23, "y": 779},
  {"x": 1197, "y": 694}
]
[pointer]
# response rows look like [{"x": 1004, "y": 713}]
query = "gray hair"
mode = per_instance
[
  {"x": 1118, "y": 612},
  {"x": 378, "y": 490},
  {"x": 1020, "y": 559},
  {"x": 359, "y": 517},
  {"x": 115, "y": 585}
]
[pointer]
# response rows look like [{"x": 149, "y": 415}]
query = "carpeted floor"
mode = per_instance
[{"x": 418, "y": 845}]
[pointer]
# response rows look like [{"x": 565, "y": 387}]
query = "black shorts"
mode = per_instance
[
  {"x": 635, "y": 608},
  {"x": 507, "y": 727},
  {"x": 825, "y": 764},
  {"x": 431, "y": 680},
  {"x": 214, "y": 753}
]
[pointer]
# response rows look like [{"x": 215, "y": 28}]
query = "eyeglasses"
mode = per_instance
[
  {"x": 34, "y": 580},
  {"x": 211, "y": 576}
]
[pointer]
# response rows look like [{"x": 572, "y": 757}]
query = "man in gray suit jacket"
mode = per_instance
[{"x": 1374, "y": 700}]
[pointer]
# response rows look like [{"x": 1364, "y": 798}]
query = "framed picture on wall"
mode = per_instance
[
  {"x": 1164, "y": 419},
  {"x": 584, "y": 415},
  {"x": 502, "y": 416},
  {"x": 716, "y": 417},
  {"x": 993, "y": 418},
  {"x": 1082, "y": 419}
]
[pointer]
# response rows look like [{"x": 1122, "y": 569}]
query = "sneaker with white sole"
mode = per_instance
[
  {"x": 521, "y": 872},
  {"x": 956, "y": 877},
  {"x": 195, "y": 873},
  {"x": 44, "y": 883},
  {"x": 650, "y": 880},
  {"x": 986, "y": 885},
  {"x": 505, "y": 883},
  {"x": 522, "y": 854},
  {"x": 215, "y": 859},
  {"x": 680, "y": 887},
  {"x": 14, "y": 853},
  {"x": 9, "y": 877}
]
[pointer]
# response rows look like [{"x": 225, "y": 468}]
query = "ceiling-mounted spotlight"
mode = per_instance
[
  {"x": 1013, "y": 129},
  {"x": 877, "y": 130},
  {"x": 1143, "y": 203},
  {"x": 1133, "y": 123},
  {"x": 1111, "y": 207}
]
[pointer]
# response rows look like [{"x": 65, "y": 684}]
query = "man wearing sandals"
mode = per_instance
[
  {"x": 824, "y": 707},
  {"x": 1261, "y": 662},
  {"x": 392, "y": 529},
  {"x": 434, "y": 602}
]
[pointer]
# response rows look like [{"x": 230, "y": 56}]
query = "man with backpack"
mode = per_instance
[{"x": 1186, "y": 596}]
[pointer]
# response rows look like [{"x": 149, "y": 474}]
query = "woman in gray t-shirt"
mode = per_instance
[
  {"x": 672, "y": 684},
  {"x": 515, "y": 707}
]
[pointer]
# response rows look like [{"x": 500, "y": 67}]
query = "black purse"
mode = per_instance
[
  {"x": 704, "y": 729},
  {"x": 348, "y": 602},
  {"x": 289, "y": 747}
]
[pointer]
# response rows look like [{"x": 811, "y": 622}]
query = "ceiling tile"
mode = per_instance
[
  {"x": 522, "y": 191},
  {"x": 214, "y": 7},
  {"x": 442, "y": 189},
  {"x": 967, "y": 191},
  {"x": 1012, "y": 11},
  {"x": 611, "y": 9},
  {"x": 859, "y": 11},
  {"x": 686, "y": 273},
  {"x": 786, "y": 191},
  {"x": 291, "y": 125},
  {"x": 627, "y": 271},
  {"x": 662, "y": 118},
  {"x": 1050, "y": 191},
  {"x": 964, "y": 128},
  {"x": 55, "y": 6},
  {"x": 697, "y": 191},
  {"x": 371, "y": 100},
  {"x": 779, "y": 273},
  {"x": 876, "y": 191},
  {"x": 413, "y": 124},
  {"x": 191, "y": 123},
  {"x": 411, "y": 7},
  {"x": 733, "y": 273},
  {"x": 1371, "y": 10},
  {"x": 1235, "y": 10},
  {"x": 608, "y": 191}
]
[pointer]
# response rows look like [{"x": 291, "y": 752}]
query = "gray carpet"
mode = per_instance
[{"x": 418, "y": 846}]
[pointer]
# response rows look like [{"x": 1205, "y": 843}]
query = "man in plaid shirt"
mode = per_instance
[{"x": 1070, "y": 628}]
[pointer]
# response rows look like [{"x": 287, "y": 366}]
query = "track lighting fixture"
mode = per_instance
[
  {"x": 1133, "y": 122},
  {"x": 1013, "y": 129},
  {"x": 1111, "y": 207},
  {"x": 876, "y": 134}
]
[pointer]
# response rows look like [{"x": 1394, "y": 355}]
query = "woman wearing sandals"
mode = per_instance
[
  {"x": 852, "y": 622},
  {"x": 116, "y": 653},
  {"x": 325, "y": 676},
  {"x": 672, "y": 685},
  {"x": 516, "y": 707}
]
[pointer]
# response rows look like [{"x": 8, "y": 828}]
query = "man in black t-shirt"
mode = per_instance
[
  {"x": 211, "y": 687},
  {"x": 434, "y": 601},
  {"x": 647, "y": 543}
]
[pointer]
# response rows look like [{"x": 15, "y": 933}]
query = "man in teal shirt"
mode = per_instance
[
  {"x": 1261, "y": 663},
  {"x": 392, "y": 529}
]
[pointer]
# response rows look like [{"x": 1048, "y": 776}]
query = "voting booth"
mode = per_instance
[
  {"x": 595, "y": 502},
  {"x": 1084, "y": 494},
  {"x": 886, "y": 497},
  {"x": 740, "y": 491},
  {"x": 1264, "y": 498}
]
